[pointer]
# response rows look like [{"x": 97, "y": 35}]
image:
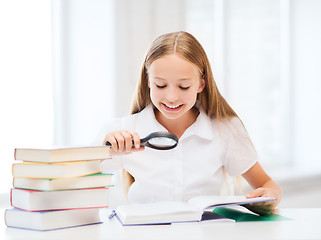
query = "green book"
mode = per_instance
[
  {"x": 243, "y": 216},
  {"x": 42, "y": 184}
]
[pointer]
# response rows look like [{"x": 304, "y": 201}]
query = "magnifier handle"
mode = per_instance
[
  {"x": 143, "y": 141},
  {"x": 133, "y": 144}
]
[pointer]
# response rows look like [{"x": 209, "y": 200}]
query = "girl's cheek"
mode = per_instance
[{"x": 156, "y": 95}]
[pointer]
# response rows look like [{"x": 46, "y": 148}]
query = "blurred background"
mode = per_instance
[{"x": 69, "y": 66}]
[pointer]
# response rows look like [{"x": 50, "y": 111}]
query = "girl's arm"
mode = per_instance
[{"x": 263, "y": 186}]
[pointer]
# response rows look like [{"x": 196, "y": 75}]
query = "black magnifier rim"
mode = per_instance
[{"x": 144, "y": 141}]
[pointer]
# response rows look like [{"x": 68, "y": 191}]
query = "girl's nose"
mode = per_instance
[{"x": 172, "y": 94}]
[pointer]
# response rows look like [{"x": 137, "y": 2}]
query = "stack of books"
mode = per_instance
[{"x": 58, "y": 188}]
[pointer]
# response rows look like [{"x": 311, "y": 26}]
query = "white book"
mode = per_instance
[
  {"x": 31, "y": 200},
  {"x": 42, "y": 184},
  {"x": 173, "y": 212},
  {"x": 51, "y": 220},
  {"x": 62, "y": 154}
]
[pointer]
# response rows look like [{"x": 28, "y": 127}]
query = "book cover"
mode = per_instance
[
  {"x": 51, "y": 220},
  {"x": 62, "y": 154},
  {"x": 245, "y": 215},
  {"x": 43, "y": 184},
  {"x": 32, "y": 200},
  {"x": 55, "y": 170}
]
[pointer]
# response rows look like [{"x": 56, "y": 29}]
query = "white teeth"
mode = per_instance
[{"x": 173, "y": 106}]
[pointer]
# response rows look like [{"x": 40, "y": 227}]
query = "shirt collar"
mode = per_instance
[
  {"x": 147, "y": 123},
  {"x": 202, "y": 127}
]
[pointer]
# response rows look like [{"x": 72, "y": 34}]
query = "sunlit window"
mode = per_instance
[{"x": 26, "y": 87}]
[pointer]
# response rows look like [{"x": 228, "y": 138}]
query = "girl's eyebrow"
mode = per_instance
[
  {"x": 181, "y": 79},
  {"x": 185, "y": 80},
  {"x": 160, "y": 78}
]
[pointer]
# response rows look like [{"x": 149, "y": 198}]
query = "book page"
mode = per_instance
[
  {"x": 204, "y": 202},
  {"x": 158, "y": 208}
]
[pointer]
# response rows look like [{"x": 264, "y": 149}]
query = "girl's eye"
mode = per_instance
[
  {"x": 160, "y": 86},
  {"x": 184, "y": 88}
]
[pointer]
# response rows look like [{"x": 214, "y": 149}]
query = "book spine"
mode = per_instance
[
  {"x": 65, "y": 206},
  {"x": 15, "y": 154},
  {"x": 5, "y": 217},
  {"x": 59, "y": 209},
  {"x": 11, "y": 196}
]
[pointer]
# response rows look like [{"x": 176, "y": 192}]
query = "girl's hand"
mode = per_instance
[
  {"x": 263, "y": 208},
  {"x": 264, "y": 187},
  {"x": 122, "y": 142}
]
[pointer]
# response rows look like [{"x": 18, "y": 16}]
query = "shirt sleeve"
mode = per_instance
[{"x": 240, "y": 153}]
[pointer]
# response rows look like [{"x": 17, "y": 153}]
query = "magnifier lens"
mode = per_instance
[{"x": 162, "y": 142}]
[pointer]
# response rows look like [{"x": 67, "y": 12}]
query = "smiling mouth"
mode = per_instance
[{"x": 172, "y": 108}]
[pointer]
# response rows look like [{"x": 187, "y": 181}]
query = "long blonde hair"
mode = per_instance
[{"x": 186, "y": 46}]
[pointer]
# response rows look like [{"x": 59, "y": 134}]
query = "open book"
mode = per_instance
[{"x": 170, "y": 212}]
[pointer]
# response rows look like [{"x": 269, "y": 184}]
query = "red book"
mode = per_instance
[{"x": 32, "y": 200}]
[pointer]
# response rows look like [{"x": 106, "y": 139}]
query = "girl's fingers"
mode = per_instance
[
  {"x": 126, "y": 141},
  {"x": 262, "y": 192},
  {"x": 259, "y": 192},
  {"x": 123, "y": 140},
  {"x": 111, "y": 139},
  {"x": 120, "y": 141},
  {"x": 136, "y": 140}
]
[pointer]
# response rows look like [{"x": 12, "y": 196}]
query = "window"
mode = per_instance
[
  {"x": 26, "y": 88},
  {"x": 264, "y": 54}
]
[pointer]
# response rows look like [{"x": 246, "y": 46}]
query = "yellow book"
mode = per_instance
[{"x": 55, "y": 170}]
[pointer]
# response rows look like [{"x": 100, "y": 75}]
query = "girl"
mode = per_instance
[{"x": 177, "y": 93}]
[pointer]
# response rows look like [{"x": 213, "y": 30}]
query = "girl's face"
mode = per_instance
[{"x": 174, "y": 84}]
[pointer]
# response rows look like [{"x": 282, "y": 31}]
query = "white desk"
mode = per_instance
[{"x": 305, "y": 224}]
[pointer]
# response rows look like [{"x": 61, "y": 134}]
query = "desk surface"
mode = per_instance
[{"x": 305, "y": 224}]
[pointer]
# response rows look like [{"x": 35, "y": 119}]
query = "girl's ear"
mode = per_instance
[{"x": 202, "y": 85}]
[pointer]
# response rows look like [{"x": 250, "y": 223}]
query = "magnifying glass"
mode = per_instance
[{"x": 158, "y": 140}]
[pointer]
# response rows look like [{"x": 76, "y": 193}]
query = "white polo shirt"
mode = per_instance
[{"x": 193, "y": 168}]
